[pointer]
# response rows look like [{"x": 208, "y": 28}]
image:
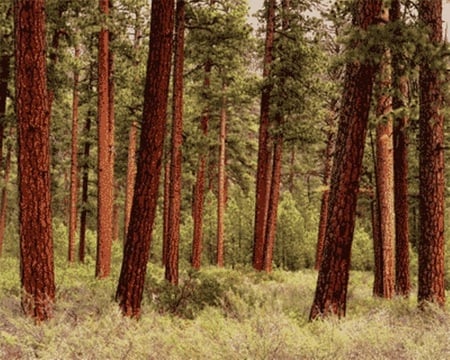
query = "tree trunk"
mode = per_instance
[
  {"x": 84, "y": 190},
  {"x": 221, "y": 191},
  {"x": 143, "y": 211},
  {"x": 331, "y": 290},
  {"x": 131, "y": 174},
  {"x": 199, "y": 187},
  {"x": 385, "y": 183},
  {"x": 173, "y": 239},
  {"x": 105, "y": 176},
  {"x": 263, "y": 167},
  {"x": 401, "y": 93},
  {"x": 431, "y": 167},
  {"x": 33, "y": 116},
  {"x": 166, "y": 205},
  {"x": 74, "y": 165}
]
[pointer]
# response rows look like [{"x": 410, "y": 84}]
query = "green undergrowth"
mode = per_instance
[{"x": 216, "y": 314}]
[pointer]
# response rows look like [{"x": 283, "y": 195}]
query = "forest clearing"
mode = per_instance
[{"x": 179, "y": 183}]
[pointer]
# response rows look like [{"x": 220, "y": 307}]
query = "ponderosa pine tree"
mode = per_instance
[
  {"x": 331, "y": 291},
  {"x": 431, "y": 164},
  {"x": 263, "y": 173},
  {"x": 104, "y": 169},
  {"x": 400, "y": 94},
  {"x": 33, "y": 116},
  {"x": 173, "y": 233},
  {"x": 137, "y": 246}
]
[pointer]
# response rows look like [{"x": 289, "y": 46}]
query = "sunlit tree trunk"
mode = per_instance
[
  {"x": 263, "y": 168},
  {"x": 400, "y": 94},
  {"x": 33, "y": 117},
  {"x": 137, "y": 246},
  {"x": 331, "y": 291},
  {"x": 431, "y": 166},
  {"x": 173, "y": 234},
  {"x": 105, "y": 176}
]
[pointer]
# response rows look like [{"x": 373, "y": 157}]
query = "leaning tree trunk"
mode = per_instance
[
  {"x": 331, "y": 290},
  {"x": 431, "y": 166},
  {"x": 137, "y": 246},
  {"x": 33, "y": 117}
]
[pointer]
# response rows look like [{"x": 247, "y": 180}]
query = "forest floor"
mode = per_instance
[{"x": 216, "y": 314}]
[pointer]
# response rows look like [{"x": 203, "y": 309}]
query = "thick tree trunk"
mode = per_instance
[
  {"x": 221, "y": 191},
  {"x": 74, "y": 165},
  {"x": 33, "y": 116},
  {"x": 173, "y": 238},
  {"x": 263, "y": 167},
  {"x": 105, "y": 177},
  {"x": 385, "y": 184},
  {"x": 331, "y": 290},
  {"x": 400, "y": 94},
  {"x": 431, "y": 167},
  {"x": 199, "y": 187},
  {"x": 137, "y": 246}
]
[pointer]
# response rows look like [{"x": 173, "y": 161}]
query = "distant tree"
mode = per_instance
[
  {"x": 137, "y": 246},
  {"x": 33, "y": 116},
  {"x": 431, "y": 163},
  {"x": 331, "y": 290}
]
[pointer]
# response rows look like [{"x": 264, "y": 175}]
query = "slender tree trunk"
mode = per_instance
[
  {"x": 263, "y": 167},
  {"x": 401, "y": 92},
  {"x": 111, "y": 137},
  {"x": 33, "y": 116},
  {"x": 143, "y": 211},
  {"x": 166, "y": 205},
  {"x": 221, "y": 191},
  {"x": 131, "y": 174},
  {"x": 385, "y": 182},
  {"x": 105, "y": 177},
  {"x": 84, "y": 190},
  {"x": 331, "y": 290},
  {"x": 74, "y": 165},
  {"x": 431, "y": 167},
  {"x": 199, "y": 187},
  {"x": 274, "y": 197},
  {"x": 173, "y": 239}
]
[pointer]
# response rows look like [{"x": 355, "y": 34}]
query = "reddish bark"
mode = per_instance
[
  {"x": 173, "y": 238},
  {"x": 401, "y": 93},
  {"x": 263, "y": 167},
  {"x": 105, "y": 176},
  {"x": 331, "y": 290},
  {"x": 431, "y": 167},
  {"x": 143, "y": 211},
  {"x": 33, "y": 116}
]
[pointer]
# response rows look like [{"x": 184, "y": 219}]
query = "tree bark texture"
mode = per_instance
[
  {"x": 263, "y": 167},
  {"x": 385, "y": 183},
  {"x": 143, "y": 211},
  {"x": 105, "y": 176},
  {"x": 431, "y": 167},
  {"x": 33, "y": 116},
  {"x": 175, "y": 184},
  {"x": 331, "y": 290},
  {"x": 399, "y": 100}
]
